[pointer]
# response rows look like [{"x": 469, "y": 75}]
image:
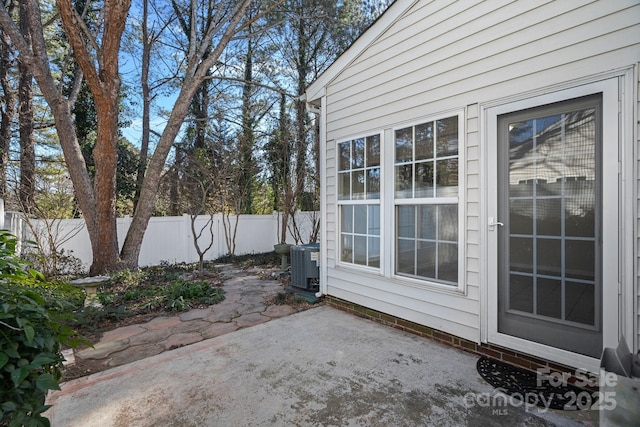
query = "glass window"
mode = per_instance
[
  {"x": 426, "y": 171},
  {"x": 359, "y": 177},
  {"x": 428, "y": 168}
]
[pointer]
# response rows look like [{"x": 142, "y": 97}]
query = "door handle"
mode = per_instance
[{"x": 493, "y": 222}]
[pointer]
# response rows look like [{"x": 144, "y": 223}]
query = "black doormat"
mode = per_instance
[{"x": 534, "y": 388}]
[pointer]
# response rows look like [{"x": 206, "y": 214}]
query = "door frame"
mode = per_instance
[{"x": 611, "y": 220}]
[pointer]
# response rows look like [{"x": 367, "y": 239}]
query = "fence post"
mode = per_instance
[{"x": 188, "y": 239}]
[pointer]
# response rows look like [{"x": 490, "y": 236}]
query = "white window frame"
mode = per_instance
[
  {"x": 364, "y": 201},
  {"x": 390, "y": 203}
]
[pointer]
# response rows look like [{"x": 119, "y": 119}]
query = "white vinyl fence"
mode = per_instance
[{"x": 168, "y": 239}]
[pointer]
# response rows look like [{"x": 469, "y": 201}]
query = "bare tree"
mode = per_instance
[
  {"x": 99, "y": 64},
  {"x": 97, "y": 58},
  {"x": 222, "y": 25}
]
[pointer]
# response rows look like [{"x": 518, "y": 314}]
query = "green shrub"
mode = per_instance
[
  {"x": 128, "y": 277},
  {"x": 34, "y": 324},
  {"x": 91, "y": 318}
]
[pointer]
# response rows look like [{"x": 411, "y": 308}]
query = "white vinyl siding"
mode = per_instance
[
  {"x": 443, "y": 56},
  {"x": 491, "y": 52},
  {"x": 472, "y": 202}
]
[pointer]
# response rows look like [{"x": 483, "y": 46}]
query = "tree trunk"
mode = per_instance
[
  {"x": 7, "y": 108},
  {"x": 146, "y": 101},
  {"x": 25, "y": 120},
  {"x": 144, "y": 209},
  {"x": 247, "y": 138},
  {"x": 105, "y": 154}
]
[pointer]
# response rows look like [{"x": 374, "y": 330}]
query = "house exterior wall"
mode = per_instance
[{"x": 448, "y": 56}]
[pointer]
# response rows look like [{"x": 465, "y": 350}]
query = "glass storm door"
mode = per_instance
[{"x": 549, "y": 244}]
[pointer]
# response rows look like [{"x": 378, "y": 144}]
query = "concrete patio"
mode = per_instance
[{"x": 319, "y": 367}]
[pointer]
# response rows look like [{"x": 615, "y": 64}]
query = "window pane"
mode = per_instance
[
  {"x": 549, "y": 256},
  {"x": 344, "y": 185},
  {"x": 346, "y": 219},
  {"x": 548, "y": 217},
  {"x": 521, "y": 293},
  {"x": 580, "y": 219},
  {"x": 521, "y": 142},
  {"x": 406, "y": 221},
  {"x": 374, "y": 252},
  {"x": 521, "y": 217},
  {"x": 580, "y": 259},
  {"x": 358, "y": 153},
  {"x": 373, "y": 150},
  {"x": 347, "y": 248},
  {"x": 521, "y": 254},
  {"x": 447, "y": 178},
  {"x": 373, "y": 183},
  {"x": 580, "y": 303},
  {"x": 424, "y": 141},
  {"x": 404, "y": 145},
  {"x": 360, "y": 250},
  {"x": 448, "y": 262},
  {"x": 374, "y": 220},
  {"x": 448, "y": 222},
  {"x": 406, "y": 256},
  {"x": 404, "y": 180},
  {"x": 427, "y": 167},
  {"x": 427, "y": 222},
  {"x": 519, "y": 188},
  {"x": 424, "y": 179},
  {"x": 549, "y": 298},
  {"x": 357, "y": 184},
  {"x": 360, "y": 219},
  {"x": 426, "y": 259},
  {"x": 344, "y": 155},
  {"x": 447, "y": 137}
]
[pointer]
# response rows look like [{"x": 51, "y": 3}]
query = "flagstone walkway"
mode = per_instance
[{"x": 249, "y": 300}]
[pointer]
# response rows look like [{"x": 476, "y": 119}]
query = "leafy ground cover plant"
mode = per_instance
[
  {"x": 134, "y": 296},
  {"x": 35, "y": 322}
]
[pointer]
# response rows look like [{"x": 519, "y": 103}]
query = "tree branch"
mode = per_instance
[
  {"x": 70, "y": 19},
  {"x": 254, "y": 83},
  {"x": 9, "y": 326}
]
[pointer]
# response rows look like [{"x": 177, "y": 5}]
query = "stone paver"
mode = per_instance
[
  {"x": 218, "y": 329},
  {"x": 134, "y": 353},
  {"x": 162, "y": 322},
  {"x": 181, "y": 339},
  {"x": 253, "y": 308},
  {"x": 103, "y": 349},
  {"x": 251, "y": 319},
  {"x": 150, "y": 336},
  {"x": 123, "y": 333},
  {"x": 244, "y": 306},
  {"x": 190, "y": 326},
  {"x": 224, "y": 312},
  {"x": 252, "y": 299},
  {"x": 275, "y": 311},
  {"x": 196, "y": 314}
]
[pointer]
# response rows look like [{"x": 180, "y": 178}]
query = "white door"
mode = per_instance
[{"x": 554, "y": 285}]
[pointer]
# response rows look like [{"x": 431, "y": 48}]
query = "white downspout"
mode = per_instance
[{"x": 321, "y": 113}]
